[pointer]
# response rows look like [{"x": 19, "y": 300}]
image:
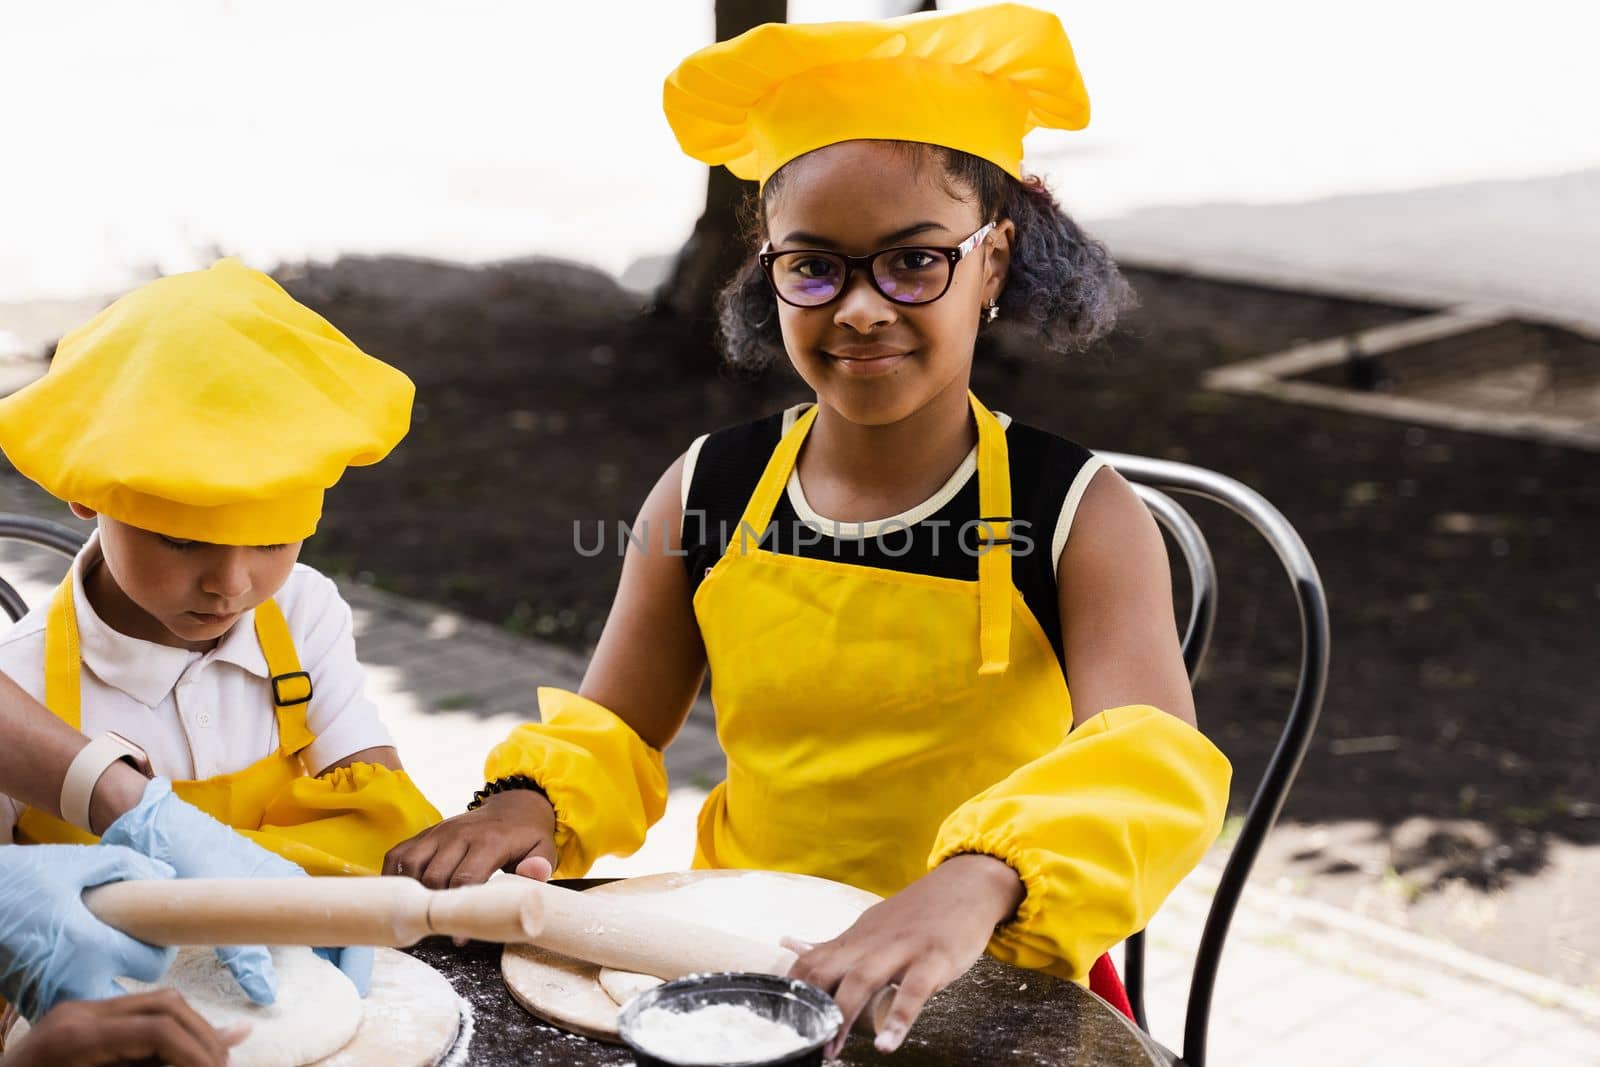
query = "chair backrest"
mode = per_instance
[
  {"x": 1153, "y": 479},
  {"x": 41, "y": 532}
]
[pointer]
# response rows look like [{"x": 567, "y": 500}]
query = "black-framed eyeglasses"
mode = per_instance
[{"x": 905, "y": 274}]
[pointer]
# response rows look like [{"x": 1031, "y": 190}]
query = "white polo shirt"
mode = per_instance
[{"x": 201, "y": 714}]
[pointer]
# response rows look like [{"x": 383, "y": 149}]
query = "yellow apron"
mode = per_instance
[
  {"x": 859, "y": 707},
  {"x": 340, "y": 823}
]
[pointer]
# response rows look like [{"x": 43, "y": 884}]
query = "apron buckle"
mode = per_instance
[
  {"x": 1002, "y": 522},
  {"x": 291, "y": 688}
]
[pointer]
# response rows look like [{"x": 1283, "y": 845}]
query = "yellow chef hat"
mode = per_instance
[
  {"x": 975, "y": 81},
  {"x": 208, "y": 406}
]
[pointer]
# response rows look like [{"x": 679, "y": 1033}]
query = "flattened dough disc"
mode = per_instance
[
  {"x": 623, "y": 986},
  {"x": 766, "y": 905},
  {"x": 411, "y": 1017}
]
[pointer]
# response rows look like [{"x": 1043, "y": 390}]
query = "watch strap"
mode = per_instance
[{"x": 86, "y": 770}]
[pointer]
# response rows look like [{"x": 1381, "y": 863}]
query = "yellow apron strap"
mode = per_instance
[
  {"x": 291, "y": 686},
  {"x": 758, "y": 512},
  {"x": 994, "y": 557},
  {"x": 994, "y": 506},
  {"x": 62, "y": 659}
]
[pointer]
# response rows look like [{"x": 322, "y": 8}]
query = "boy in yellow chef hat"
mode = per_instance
[
  {"x": 199, "y": 420},
  {"x": 882, "y": 583}
]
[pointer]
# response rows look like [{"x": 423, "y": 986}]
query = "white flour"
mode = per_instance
[
  {"x": 715, "y": 1034},
  {"x": 458, "y": 1055}
]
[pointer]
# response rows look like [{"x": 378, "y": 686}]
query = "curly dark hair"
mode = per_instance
[{"x": 1062, "y": 287}]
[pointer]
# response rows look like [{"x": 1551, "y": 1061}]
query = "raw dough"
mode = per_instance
[
  {"x": 316, "y": 1013},
  {"x": 411, "y": 1017},
  {"x": 623, "y": 986},
  {"x": 755, "y": 904}
]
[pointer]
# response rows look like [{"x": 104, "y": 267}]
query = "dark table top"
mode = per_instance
[{"x": 994, "y": 1014}]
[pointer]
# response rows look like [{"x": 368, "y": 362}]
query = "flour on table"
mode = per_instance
[
  {"x": 715, "y": 1034},
  {"x": 317, "y": 1010}
]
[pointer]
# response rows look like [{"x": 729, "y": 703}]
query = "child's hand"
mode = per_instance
[
  {"x": 52, "y": 949},
  {"x": 922, "y": 938},
  {"x": 165, "y": 828},
  {"x": 158, "y": 1027},
  {"x": 514, "y": 830}
]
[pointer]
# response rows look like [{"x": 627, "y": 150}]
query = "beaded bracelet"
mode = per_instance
[{"x": 503, "y": 785}]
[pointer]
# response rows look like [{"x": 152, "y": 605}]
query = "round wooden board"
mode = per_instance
[
  {"x": 767, "y": 905},
  {"x": 411, "y": 1017}
]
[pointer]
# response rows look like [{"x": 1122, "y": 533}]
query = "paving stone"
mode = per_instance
[
  {"x": 1577, "y": 1045},
  {"x": 1471, "y": 1037}
]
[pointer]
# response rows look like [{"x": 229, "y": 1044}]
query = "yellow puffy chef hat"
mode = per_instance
[
  {"x": 208, "y": 406},
  {"x": 975, "y": 81}
]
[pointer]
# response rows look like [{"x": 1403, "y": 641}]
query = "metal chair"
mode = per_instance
[
  {"x": 1152, "y": 480},
  {"x": 40, "y": 532}
]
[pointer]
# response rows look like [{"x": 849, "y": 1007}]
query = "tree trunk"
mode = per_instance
[{"x": 714, "y": 250}]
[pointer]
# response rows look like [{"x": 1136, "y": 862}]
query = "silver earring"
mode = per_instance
[{"x": 991, "y": 311}]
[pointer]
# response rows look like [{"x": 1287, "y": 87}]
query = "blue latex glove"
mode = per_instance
[
  {"x": 51, "y": 947},
  {"x": 165, "y": 828}
]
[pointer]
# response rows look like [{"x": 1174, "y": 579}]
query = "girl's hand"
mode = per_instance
[
  {"x": 158, "y": 1026},
  {"x": 514, "y": 830},
  {"x": 922, "y": 939}
]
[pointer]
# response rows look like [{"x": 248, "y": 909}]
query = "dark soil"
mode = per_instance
[{"x": 1460, "y": 569}]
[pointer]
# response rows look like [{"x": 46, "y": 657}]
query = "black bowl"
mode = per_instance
[{"x": 797, "y": 1004}]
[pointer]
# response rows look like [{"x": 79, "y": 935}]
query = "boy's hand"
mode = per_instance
[
  {"x": 922, "y": 939},
  {"x": 159, "y": 1027},
  {"x": 513, "y": 831}
]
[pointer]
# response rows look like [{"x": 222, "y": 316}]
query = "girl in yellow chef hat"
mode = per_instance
[
  {"x": 199, "y": 420},
  {"x": 892, "y": 586}
]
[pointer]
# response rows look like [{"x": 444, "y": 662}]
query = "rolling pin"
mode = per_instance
[
  {"x": 399, "y": 912},
  {"x": 312, "y": 911}
]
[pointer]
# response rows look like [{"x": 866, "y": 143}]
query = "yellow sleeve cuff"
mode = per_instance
[
  {"x": 1100, "y": 830},
  {"x": 608, "y": 787},
  {"x": 346, "y": 820}
]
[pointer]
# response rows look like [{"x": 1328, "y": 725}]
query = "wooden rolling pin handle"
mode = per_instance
[
  {"x": 266, "y": 911},
  {"x": 628, "y": 938},
  {"x": 505, "y": 910},
  {"x": 315, "y": 911}
]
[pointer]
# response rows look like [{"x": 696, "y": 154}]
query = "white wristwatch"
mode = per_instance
[{"x": 87, "y": 768}]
